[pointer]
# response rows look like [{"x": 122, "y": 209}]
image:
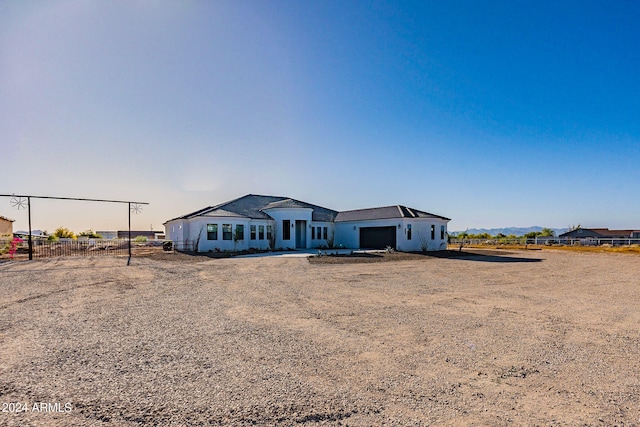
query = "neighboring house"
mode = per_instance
[
  {"x": 150, "y": 235},
  {"x": 6, "y": 227},
  {"x": 599, "y": 233},
  {"x": 271, "y": 222},
  {"x": 107, "y": 234},
  {"x": 124, "y": 234}
]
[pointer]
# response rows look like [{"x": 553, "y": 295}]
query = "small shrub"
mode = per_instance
[
  {"x": 90, "y": 234},
  {"x": 64, "y": 233},
  {"x": 140, "y": 239}
]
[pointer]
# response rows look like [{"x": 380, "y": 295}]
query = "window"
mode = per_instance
[
  {"x": 433, "y": 232},
  {"x": 252, "y": 230},
  {"x": 269, "y": 232},
  {"x": 212, "y": 231},
  {"x": 319, "y": 232},
  {"x": 313, "y": 232},
  {"x": 286, "y": 229},
  {"x": 261, "y": 232},
  {"x": 239, "y": 232},
  {"x": 226, "y": 231},
  {"x": 324, "y": 232},
  {"x": 408, "y": 231},
  {"x": 442, "y": 232}
]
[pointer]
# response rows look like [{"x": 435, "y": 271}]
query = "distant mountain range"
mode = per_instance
[{"x": 518, "y": 231}]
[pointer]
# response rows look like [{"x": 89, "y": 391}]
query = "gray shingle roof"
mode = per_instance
[
  {"x": 287, "y": 203},
  {"x": 599, "y": 232},
  {"x": 252, "y": 205},
  {"x": 385, "y": 212},
  {"x": 319, "y": 213}
]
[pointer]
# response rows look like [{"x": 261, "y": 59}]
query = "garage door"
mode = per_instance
[{"x": 377, "y": 237}]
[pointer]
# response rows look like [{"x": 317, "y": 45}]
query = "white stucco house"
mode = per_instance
[{"x": 272, "y": 222}]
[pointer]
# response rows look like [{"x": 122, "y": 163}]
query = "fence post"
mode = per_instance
[
  {"x": 30, "y": 238},
  {"x": 129, "y": 260}
]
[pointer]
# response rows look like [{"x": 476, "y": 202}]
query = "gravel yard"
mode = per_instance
[{"x": 519, "y": 338}]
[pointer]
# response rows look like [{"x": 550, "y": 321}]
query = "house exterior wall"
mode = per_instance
[
  {"x": 174, "y": 230},
  {"x": 293, "y": 215},
  {"x": 186, "y": 232},
  {"x": 348, "y": 233},
  {"x": 6, "y": 227},
  {"x": 322, "y": 241},
  {"x": 199, "y": 232},
  {"x": 421, "y": 235}
]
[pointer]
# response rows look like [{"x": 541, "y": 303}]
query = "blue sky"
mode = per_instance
[{"x": 492, "y": 113}]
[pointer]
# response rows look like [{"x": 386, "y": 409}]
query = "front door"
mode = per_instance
[{"x": 301, "y": 234}]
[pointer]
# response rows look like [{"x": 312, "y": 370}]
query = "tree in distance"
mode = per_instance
[{"x": 63, "y": 233}]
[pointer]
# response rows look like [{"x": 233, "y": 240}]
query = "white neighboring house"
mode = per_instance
[{"x": 272, "y": 222}]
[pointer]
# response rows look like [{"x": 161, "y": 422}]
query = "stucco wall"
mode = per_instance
[
  {"x": 6, "y": 227},
  {"x": 184, "y": 233},
  {"x": 322, "y": 242},
  {"x": 348, "y": 233},
  {"x": 293, "y": 215}
]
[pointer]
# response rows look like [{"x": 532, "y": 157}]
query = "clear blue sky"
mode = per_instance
[{"x": 493, "y": 113}]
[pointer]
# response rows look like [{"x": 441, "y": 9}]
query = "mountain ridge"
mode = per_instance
[{"x": 518, "y": 231}]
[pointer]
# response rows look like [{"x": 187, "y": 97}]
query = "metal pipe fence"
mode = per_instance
[
  {"x": 64, "y": 247},
  {"x": 549, "y": 241}
]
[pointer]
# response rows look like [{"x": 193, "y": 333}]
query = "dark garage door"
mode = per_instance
[{"x": 377, "y": 237}]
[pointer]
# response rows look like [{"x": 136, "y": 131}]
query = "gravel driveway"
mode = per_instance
[{"x": 526, "y": 338}]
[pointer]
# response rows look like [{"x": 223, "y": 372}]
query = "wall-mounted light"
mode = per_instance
[
  {"x": 354, "y": 227},
  {"x": 399, "y": 226},
  {"x": 292, "y": 225}
]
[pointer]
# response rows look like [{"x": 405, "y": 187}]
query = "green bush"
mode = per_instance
[
  {"x": 90, "y": 234},
  {"x": 64, "y": 233}
]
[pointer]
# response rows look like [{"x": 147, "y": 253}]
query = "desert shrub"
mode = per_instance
[
  {"x": 90, "y": 234},
  {"x": 64, "y": 233}
]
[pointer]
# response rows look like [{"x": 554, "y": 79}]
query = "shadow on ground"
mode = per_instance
[
  {"x": 368, "y": 257},
  {"x": 482, "y": 256}
]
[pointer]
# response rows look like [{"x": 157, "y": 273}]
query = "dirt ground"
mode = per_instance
[{"x": 510, "y": 338}]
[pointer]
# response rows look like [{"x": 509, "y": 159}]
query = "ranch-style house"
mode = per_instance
[{"x": 271, "y": 222}]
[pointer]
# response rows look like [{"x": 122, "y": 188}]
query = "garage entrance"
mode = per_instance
[{"x": 377, "y": 237}]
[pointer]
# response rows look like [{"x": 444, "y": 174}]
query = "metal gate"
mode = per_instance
[{"x": 64, "y": 247}]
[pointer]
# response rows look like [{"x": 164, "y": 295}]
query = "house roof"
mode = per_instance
[
  {"x": 603, "y": 232},
  {"x": 287, "y": 203},
  {"x": 7, "y": 219},
  {"x": 614, "y": 233},
  {"x": 252, "y": 206},
  {"x": 385, "y": 212}
]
